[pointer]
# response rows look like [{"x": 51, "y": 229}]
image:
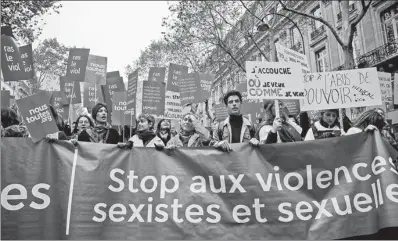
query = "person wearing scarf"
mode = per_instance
[
  {"x": 83, "y": 129},
  {"x": 163, "y": 130},
  {"x": 192, "y": 133},
  {"x": 328, "y": 126},
  {"x": 103, "y": 131},
  {"x": 145, "y": 135},
  {"x": 370, "y": 120},
  {"x": 277, "y": 130}
]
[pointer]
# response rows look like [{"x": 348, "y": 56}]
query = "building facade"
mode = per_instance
[{"x": 375, "y": 42}]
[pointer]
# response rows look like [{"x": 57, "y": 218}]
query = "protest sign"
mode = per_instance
[
  {"x": 286, "y": 55},
  {"x": 96, "y": 70},
  {"x": 60, "y": 103},
  {"x": 221, "y": 111},
  {"x": 272, "y": 192},
  {"x": 395, "y": 88},
  {"x": 174, "y": 75},
  {"x": 50, "y": 82},
  {"x": 385, "y": 86},
  {"x": 341, "y": 89},
  {"x": 273, "y": 80},
  {"x": 153, "y": 98},
  {"x": 173, "y": 106},
  {"x": 112, "y": 85},
  {"x": 121, "y": 115},
  {"x": 37, "y": 116},
  {"x": 112, "y": 74},
  {"x": 11, "y": 62},
  {"x": 195, "y": 87},
  {"x": 293, "y": 106},
  {"x": 157, "y": 74},
  {"x": 5, "y": 98},
  {"x": 77, "y": 64},
  {"x": 71, "y": 90},
  {"x": 132, "y": 85},
  {"x": 92, "y": 94},
  {"x": 252, "y": 107},
  {"x": 27, "y": 60}
]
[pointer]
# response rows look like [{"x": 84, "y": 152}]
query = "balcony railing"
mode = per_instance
[
  {"x": 378, "y": 55},
  {"x": 351, "y": 9},
  {"x": 317, "y": 32}
]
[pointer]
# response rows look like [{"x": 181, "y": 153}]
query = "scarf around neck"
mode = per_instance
[
  {"x": 146, "y": 136},
  {"x": 100, "y": 132},
  {"x": 185, "y": 136}
]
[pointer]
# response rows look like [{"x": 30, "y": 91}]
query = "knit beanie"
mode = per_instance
[{"x": 96, "y": 109}]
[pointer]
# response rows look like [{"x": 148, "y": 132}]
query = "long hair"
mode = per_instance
[
  {"x": 370, "y": 117},
  {"x": 8, "y": 117},
  {"x": 58, "y": 118},
  {"x": 75, "y": 130}
]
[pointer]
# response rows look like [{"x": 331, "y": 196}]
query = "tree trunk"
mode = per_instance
[{"x": 349, "y": 62}]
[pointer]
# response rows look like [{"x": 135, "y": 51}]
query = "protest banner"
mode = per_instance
[
  {"x": 286, "y": 55},
  {"x": 60, "y": 103},
  {"x": 174, "y": 75},
  {"x": 5, "y": 98},
  {"x": 220, "y": 111},
  {"x": 153, "y": 98},
  {"x": 27, "y": 60},
  {"x": 77, "y": 64},
  {"x": 112, "y": 85},
  {"x": 273, "y": 80},
  {"x": 341, "y": 89},
  {"x": 11, "y": 61},
  {"x": 92, "y": 94},
  {"x": 96, "y": 70},
  {"x": 112, "y": 74},
  {"x": 121, "y": 115},
  {"x": 71, "y": 90},
  {"x": 37, "y": 116},
  {"x": 271, "y": 192},
  {"x": 157, "y": 74},
  {"x": 173, "y": 106}
]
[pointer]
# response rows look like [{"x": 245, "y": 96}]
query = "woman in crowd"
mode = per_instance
[
  {"x": 60, "y": 125},
  {"x": 368, "y": 121},
  {"x": 192, "y": 133},
  {"x": 145, "y": 135},
  {"x": 10, "y": 126},
  {"x": 277, "y": 130},
  {"x": 163, "y": 131},
  {"x": 328, "y": 126},
  {"x": 84, "y": 129},
  {"x": 103, "y": 131}
]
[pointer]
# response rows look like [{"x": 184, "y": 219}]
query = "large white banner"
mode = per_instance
[
  {"x": 341, "y": 89},
  {"x": 286, "y": 55},
  {"x": 274, "y": 80},
  {"x": 173, "y": 108}
]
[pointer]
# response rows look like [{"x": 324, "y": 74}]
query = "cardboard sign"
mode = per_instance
[
  {"x": 173, "y": 106},
  {"x": 71, "y": 90},
  {"x": 27, "y": 60},
  {"x": 341, "y": 89},
  {"x": 37, "y": 116},
  {"x": 113, "y": 84},
  {"x": 286, "y": 55},
  {"x": 60, "y": 103},
  {"x": 221, "y": 111},
  {"x": 11, "y": 61},
  {"x": 112, "y": 74},
  {"x": 121, "y": 115},
  {"x": 174, "y": 75},
  {"x": 269, "y": 80},
  {"x": 96, "y": 70},
  {"x": 157, "y": 74},
  {"x": 77, "y": 63},
  {"x": 5, "y": 98},
  {"x": 132, "y": 85},
  {"x": 92, "y": 94},
  {"x": 153, "y": 98},
  {"x": 385, "y": 86}
]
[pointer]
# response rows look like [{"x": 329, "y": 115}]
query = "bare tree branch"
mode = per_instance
[
  {"x": 249, "y": 11},
  {"x": 258, "y": 47}
]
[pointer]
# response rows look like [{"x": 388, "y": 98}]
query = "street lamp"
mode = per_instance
[{"x": 264, "y": 27}]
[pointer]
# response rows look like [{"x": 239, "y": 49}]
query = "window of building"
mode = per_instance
[
  {"x": 294, "y": 35},
  {"x": 316, "y": 12},
  {"x": 389, "y": 19},
  {"x": 321, "y": 60}
]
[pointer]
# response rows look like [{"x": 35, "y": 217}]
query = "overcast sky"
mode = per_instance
[{"x": 114, "y": 29}]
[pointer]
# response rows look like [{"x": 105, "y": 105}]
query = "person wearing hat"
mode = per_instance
[
  {"x": 328, "y": 126},
  {"x": 103, "y": 131},
  {"x": 145, "y": 135},
  {"x": 277, "y": 130}
]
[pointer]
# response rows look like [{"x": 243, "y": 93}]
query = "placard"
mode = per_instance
[
  {"x": 385, "y": 86},
  {"x": 173, "y": 106},
  {"x": 71, "y": 90},
  {"x": 60, "y": 103},
  {"x": 37, "y": 116},
  {"x": 113, "y": 84},
  {"x": 286, "y": 55},
  {"x": 96, "y": 70},
  {"x": 221, "y": 111},
  {"x": 11, "y": 61},
  {"x": 51, "y": 82},
  {"x": 341, "y": 89},
  {"x": 92, "y": 95},
  {"x": 121, "y": 115},
  {"x": 132, "y": 86},
  {"x": 112, "y": 74},
  {"x": 77, "y": 63},
  {"x": 5, "y": 98},
  {"x": 153, "y": 98},
  {"x": 174, "y": 75},
  {"x": 27, "y": 60},
  {"x": 274, "y": 80},
  {"x": 157, "y": 74},
  {"x": 254, "y": 108}
]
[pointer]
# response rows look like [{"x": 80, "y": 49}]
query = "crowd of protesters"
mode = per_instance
[{"x": 272, "y": 128}]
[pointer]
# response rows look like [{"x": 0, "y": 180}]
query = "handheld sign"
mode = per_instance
[
  {"x": 273, "y": 80},
  {"x": 92, "y": 94},
  {"x": 385, "y": 86},
  {"x": 5, "y": 98},
  {"x": 60, "y": 103},
  {"x": 175, "y": 73},
  {"x": 220, "y": 111},
  {"x": 11, "y": 61},
  {"x": 71, "y": 90},
  {"x": 157, "y": 74},
  {"x": 153, "y": 98},
  {"x": 173, "y": 106},
  {"x": 27, "y": 60},
  {"x": 113, "y": 84},
  {"x": 77, "y": 63},
  {"x": 96, "y": 70},
  {"x": 121, "y": 115},
  {"x": 286, "y": 55},
  {"x": 341, "y": 89},
  {"x": 37, "y": 116}
]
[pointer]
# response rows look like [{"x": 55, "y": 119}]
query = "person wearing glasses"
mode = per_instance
[
  {"x": 192, "y": 133},
  {"x": 328, "y": 126},
  {"x": 370, "y": 120},
  {"x": 83, "y": 129},
  {"x": 163, "y": 130}
]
